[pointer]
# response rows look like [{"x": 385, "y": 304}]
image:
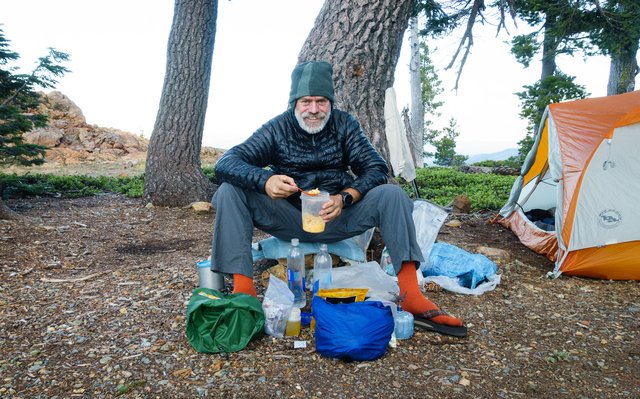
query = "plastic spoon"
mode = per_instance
[{"x": 307, "y": 192}]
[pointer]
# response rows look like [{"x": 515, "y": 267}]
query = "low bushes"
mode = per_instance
[{"x": 436, "y": 184}]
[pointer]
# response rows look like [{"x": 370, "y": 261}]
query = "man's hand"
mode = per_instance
[
  {"x": 332, "y": 208},
  {"x": 280, "y": 186}
]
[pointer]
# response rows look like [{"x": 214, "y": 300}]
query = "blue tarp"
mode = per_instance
[
  {"x": 274, "y": 248},
  {"x": 451, "y": 261}
]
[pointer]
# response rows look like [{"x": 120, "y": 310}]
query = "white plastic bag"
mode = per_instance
[
  {"x": 428, "y": 219},
  {"x": 453, "y": 284},
  {"x": 277, "y": 305},
  {"x": 366, "y": 275}
]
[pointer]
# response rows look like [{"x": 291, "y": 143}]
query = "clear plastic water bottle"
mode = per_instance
[
  {"x": 292, "y": 328},
  {"x": 322, "y": 269},
  {"x": 403, "y": 324},
  {"x": 295, "y": 274}
]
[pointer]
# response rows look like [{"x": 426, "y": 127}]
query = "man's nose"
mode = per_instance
[{"x": 313, "y": 107}]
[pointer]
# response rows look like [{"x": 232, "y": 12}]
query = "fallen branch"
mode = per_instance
[
  {"x": 90, "y": 276},
  {"x": 72, "y": 280}
]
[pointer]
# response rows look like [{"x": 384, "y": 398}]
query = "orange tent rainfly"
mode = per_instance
[{"x": 577, "y": 199}]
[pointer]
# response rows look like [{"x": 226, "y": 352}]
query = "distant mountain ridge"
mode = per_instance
[{"x": 494, "y": 156}]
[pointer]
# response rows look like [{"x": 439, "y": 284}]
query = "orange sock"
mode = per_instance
[
  {"x": 414, "y": 301},
  {"x": 243, "y": 284}
]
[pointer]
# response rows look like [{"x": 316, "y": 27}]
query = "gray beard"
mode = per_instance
[{"x": 309, "y": 129}]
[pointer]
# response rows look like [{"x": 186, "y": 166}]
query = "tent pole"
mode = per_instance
[{"x": 415, "y": 188}]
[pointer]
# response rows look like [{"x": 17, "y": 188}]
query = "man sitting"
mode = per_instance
[{"x": 314, "y": 145}]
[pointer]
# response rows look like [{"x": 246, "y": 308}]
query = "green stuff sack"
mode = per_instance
[{"x": 222, "y": 323}]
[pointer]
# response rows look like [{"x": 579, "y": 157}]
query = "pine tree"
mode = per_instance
[
  {"x": 173, "y": 176},
  {"x": 18, "y": 108},
  {"x": 445, "y": 143},
  {"x": 362, "y": 41}
]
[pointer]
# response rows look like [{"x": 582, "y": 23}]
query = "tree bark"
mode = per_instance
[
  {"x": 549, "y": 49},
  {"x": 416, "y": 133},
  {"x": 362, "y": 40},
  {"x": 173, "y": 176},
  {"x": 623, "y": 70}
]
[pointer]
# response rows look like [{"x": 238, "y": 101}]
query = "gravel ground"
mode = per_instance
[{"x": 94, "y": 293}]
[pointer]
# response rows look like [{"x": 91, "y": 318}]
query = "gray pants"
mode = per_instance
[{"x": 238, "y": 211}]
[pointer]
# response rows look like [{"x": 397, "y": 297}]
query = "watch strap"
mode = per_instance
[{"x": 347, "y": 199}]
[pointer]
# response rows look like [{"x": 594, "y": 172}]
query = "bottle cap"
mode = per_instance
[{"x": 294, "y": 241}]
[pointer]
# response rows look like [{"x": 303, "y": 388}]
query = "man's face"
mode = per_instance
[{"x": 312, "y": 113}]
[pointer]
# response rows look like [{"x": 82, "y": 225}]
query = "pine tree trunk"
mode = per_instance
[
  {"x": 173, "y": 176},
  {"x": 549, "y": 49},
  {"x": 623, "y": 70},
  {"x": 362, "y": 41},
  {"x": 416, "y": 136}
]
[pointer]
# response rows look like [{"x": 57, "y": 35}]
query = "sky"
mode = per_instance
[{"x": 118, "y": 60}]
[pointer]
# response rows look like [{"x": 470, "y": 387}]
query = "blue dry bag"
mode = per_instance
[{"x": 352, "y": 331}]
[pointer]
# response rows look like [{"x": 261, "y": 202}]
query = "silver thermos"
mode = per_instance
[{"x": 208, "y": 278}]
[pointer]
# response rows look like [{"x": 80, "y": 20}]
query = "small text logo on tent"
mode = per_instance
[{"x": 609, "y": 218}]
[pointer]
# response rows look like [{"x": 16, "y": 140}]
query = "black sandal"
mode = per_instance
[{"x": 423, "y": 320}]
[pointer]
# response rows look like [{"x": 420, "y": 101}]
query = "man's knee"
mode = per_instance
[
  {"x": 390, "y": 192},
  {"x": 224, "y": 191}
]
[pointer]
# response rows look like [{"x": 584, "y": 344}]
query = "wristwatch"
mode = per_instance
[{"x": 347, "y": 199}]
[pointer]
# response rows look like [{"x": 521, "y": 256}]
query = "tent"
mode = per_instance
[{"x": 577, "y": 199}]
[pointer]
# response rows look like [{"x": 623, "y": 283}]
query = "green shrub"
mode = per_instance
[
  {"x": 209, "y": 172},
  {"x": 440, "y": 185},
  {"x": 511, "y": 162},
  {"x": 69, "y": 186},
  {"x": 132, "y": 187},
  {"x": 436, "y": 184}
]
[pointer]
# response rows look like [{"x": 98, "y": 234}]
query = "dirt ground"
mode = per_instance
[{"x": 93, "y": 296}]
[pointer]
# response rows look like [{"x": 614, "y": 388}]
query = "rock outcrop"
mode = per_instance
[
  {"x": 70, "y": 140},
  {"x": 496, "y": 170}
]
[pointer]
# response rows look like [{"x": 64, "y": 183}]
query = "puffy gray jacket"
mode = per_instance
[{"x": 319, "y": 160}]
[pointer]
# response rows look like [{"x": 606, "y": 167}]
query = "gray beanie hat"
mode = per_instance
[{"x": 312, "y": 78}]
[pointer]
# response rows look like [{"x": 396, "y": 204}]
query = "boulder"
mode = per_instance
[
  {"x": 499, "y": 256},
  {"x": 496, "y": 170},
  {"x": 201, "y": 206},
  {"x": 61, "y": 110},
  {"x": 47, "y": 137},
  {"x": 70, "y": 140},
  {"x": 453, "y": 223},
  {"x": 460, "y": 204}
]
